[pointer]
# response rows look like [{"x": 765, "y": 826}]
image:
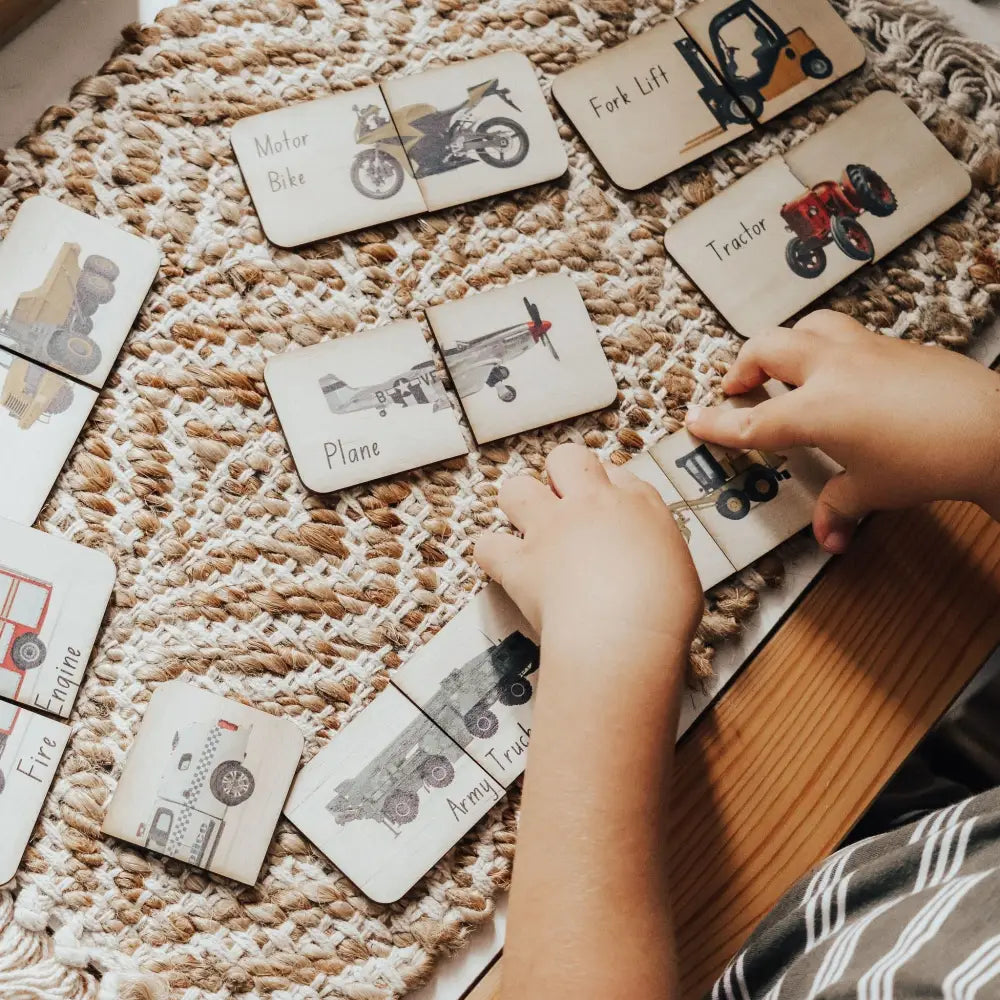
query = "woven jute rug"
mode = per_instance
[{"x": 229, "y": 573}]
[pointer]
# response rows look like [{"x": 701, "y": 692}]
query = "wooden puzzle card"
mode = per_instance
[
  {"x": 773, "y": 53},
  {"x": 650, "y": 105},
  {"x": 475, "y": 128},
  {"x": 388, "y": 796},
  {"x": 523, "y": 356},
  {"x": 362, "y": 407},
  {"x": 31, "y": 747},
  {"x": 325, "y": 167},
  {"x": 53, "y": 595},
  {"x": 205, "y": 781},
  {"x": 475, "y": 680},
  {"x": 41, "y": 416},
  {"x": 70, "y": 288}
]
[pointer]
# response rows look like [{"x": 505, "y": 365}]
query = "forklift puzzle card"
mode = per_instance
[
  {"x": 31, "y": 747},
  {"x": 205, "y": 781},
  {"x": 389, "y": 796},
  {"x": 53, "y": 595},
  {"x": 70, "y": 288}
]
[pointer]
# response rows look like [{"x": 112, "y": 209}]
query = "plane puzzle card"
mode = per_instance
[
  {"x": 388, "y": 796},
  {"x": 53, "y": 595},
  {"x": 31, "y": 747},
  {"x": 362, "y": 407},
  {"x": 523, "y": 356},
  {"x": 70, "y": 288},
  {"x": 475, "y": 680},
  {"x": 205, "y": 781}
]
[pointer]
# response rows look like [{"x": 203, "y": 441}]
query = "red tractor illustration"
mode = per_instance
[
  {"x": 24, "y": 603},
  {"x": 828, "y": 212}
]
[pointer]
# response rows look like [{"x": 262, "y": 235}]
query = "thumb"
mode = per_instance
[{"x": 840, "y": 506}]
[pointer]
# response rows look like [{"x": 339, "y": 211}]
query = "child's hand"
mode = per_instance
[
  {"x": 908, "y": 423},
  {"x": 601, "y": 558}
]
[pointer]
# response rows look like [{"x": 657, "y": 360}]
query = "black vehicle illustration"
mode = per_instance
[
  {"x": 733, "y": 481},
  {"x": 433, "y": 140},
  {"x": 417, "y": 386}
]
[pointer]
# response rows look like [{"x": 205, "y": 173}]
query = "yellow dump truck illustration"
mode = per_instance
[{"x": 733, "y": 481}]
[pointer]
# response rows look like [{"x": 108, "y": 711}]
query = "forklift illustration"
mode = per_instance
[
  {"x": 24, "y": 605},
  {"x": 733, "y": 481}
]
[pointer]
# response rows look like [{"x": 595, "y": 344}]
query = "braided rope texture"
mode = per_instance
[{"x": 231, "y": 574}]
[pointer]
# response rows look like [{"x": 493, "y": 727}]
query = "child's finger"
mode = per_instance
[
  {"x": 830, "y": 324},
  {"x": 839, "y": 508},
  {"x": 497, "y": 552},
  {"x": 574, "y": 469},
  {"x": 778, "y": 353},
  {"x": 525, "y": 501},
  {"x": 779, "y": 422}
]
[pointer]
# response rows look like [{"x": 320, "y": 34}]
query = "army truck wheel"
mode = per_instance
[
  {"x": 873, "y": 193},
  {"x": 79, "y": 355},
  {"x": 733, "y": 504},
  {"x": 515, "y": 692},
  {"x": 231, "y": 783},
  {"x": 760, "y": 484},
  {"x": 481, "y": 722},
  {"x": 805, "y": 261},
  {"x": 27, "y": 652},
  {"x": 401, "y": 807},
  {"x": 438, "y": 772}
]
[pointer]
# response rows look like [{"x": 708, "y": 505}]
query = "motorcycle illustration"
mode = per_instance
[{"x": 433, "y": 141}]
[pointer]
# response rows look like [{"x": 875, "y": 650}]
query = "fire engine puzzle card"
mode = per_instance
[
  {"x": 53, "y": 595},
  {"x": 773, "y": 53},
  {"x": 475, "y": 128},
  {"x": 362, "y": 407},
  {"x": 31, "y": 747},
  {"x": 70, "y": 288},
  {"x": 41, "y": 416},
  {"x": 388, "y": 796},
  {"x": 523, "y": 356},
  {"x": 474, "y": 679},
  {"x": 877, "y": 175},
  {"x": 325, "y": 167},
  {"x": 205, "y": 781},
  {"x": 650, "y": 105}
]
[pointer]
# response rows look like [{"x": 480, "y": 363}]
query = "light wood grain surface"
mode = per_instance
[
  {"x": 777, "y": 772},
  {"x": 15, "y": 15}
]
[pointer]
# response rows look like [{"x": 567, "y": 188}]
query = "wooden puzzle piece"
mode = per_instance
[
  {"x": 388, "y": 796},
  {"x": 53, "y": 595},
  {"x": 41, "y": 416},
  {"x": 475, "y": 679},
  {"x": 31, "y": 747},
  {"x": 475, "y": 128},
  {"x": 325, "y": 167},
  {"x": 650, "y": 105},
  {"x": 773, "y": 53},
  {"x": 70, "y": 288},
  {"x": 523, "y": 356},
  {"x": 362, "y": 407},
  {"x": 205, "y": 781}
]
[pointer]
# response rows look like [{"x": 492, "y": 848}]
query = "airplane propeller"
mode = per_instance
[{"x": 539, "y": 327}]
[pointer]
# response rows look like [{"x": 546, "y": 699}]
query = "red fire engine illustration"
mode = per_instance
[{"x": 24, "y": 605}]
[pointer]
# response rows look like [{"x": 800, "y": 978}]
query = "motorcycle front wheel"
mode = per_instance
[
  {"x": 376, "y": 174},
  {"x": 505, "y": 142}
]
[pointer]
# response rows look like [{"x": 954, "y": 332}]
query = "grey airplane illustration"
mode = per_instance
[{"x": 417, "y": 386}]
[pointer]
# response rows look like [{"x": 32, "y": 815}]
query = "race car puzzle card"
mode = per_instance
[
  {"x": 53, "y": 595},
  {"x": 205, "y": 781},
  {"x": 523, "y": 356}
]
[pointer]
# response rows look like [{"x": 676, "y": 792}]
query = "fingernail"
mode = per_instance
[
  {"x": 837, "y": 541},
  {"x": 693, "y": 414}
]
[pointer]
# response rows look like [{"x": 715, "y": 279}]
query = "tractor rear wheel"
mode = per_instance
[
  {"x": 438, "y": 771},
  {"x": 760, "y": 484},
  {"x": 515, "y": 692},
  {"x": 733, "y": 504},
  {"x": 852, "y": 238},
  {"x": 873, "y": 193},
  {"x": 401, "y": 807},
  {"x": 816, "y": 65},
  {"x": 804, "y": 260}
]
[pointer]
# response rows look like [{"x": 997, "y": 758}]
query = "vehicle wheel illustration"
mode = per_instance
[
  {"x": 438, "y": 771},
  {"x": 507, "y": 393},
  {"x": 231, "y": 783},
  {"x": 733, "y": 504},
  {"x": 79, "y": 355},
  {"x": 497, "y": 374},
  {"x": 816, "y": 65},
  {"x": 3, "y": 781},
  {"x": 852, "y": 237},
  {"x": 874, "y": 194},
  {"x": 27, "y": 652},
  {"x": 61, "y": 401},
  {"x": 515, "y": 692},
  {"x": 760, "y": 483},
  {"x": 742, "y": 109},
  {"x": 481, "y": 722},
  {"x": 401, "y": 807},
  {"x": 506, "y": 142},
  {"x": 376, "y": 174},
  {"x": 805, "y": 261}
]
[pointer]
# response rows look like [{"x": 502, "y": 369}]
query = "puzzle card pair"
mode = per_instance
[{"x": 418, "y": 143}]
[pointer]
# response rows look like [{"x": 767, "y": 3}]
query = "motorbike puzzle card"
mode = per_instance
[
  {"x": 325, "y": 167},
  {"x": 389, "y": 796},
  {"x": 31, "y": 747},
  {"x": 70, "y": 288},
  {"x": 523, "y": 356},
  {"x": 205, "y": 781},
  {"x": 363, "y": 407},
  {"x": 53, "y": 595},
  {"x": 475, "y": 128}
]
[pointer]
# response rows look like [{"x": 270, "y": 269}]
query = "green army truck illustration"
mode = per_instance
[{"x": 733, "y": 481}]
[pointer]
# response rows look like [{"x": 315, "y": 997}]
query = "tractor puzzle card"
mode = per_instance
[
  {"x": 362, "y": 407},
  {"x": 205, "y": 781},
  {"x": 53, "y": 595},
  {"x": 325, "y": 167},
  {"x": 475, "y": 128},
  {"x": 70, "y": 288},
  {"x": 523, "y": 356},
  {"x": 475, "y": 680},
  {"x": 31, "y": 747},
  {"x": 389, "y": 796}
]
